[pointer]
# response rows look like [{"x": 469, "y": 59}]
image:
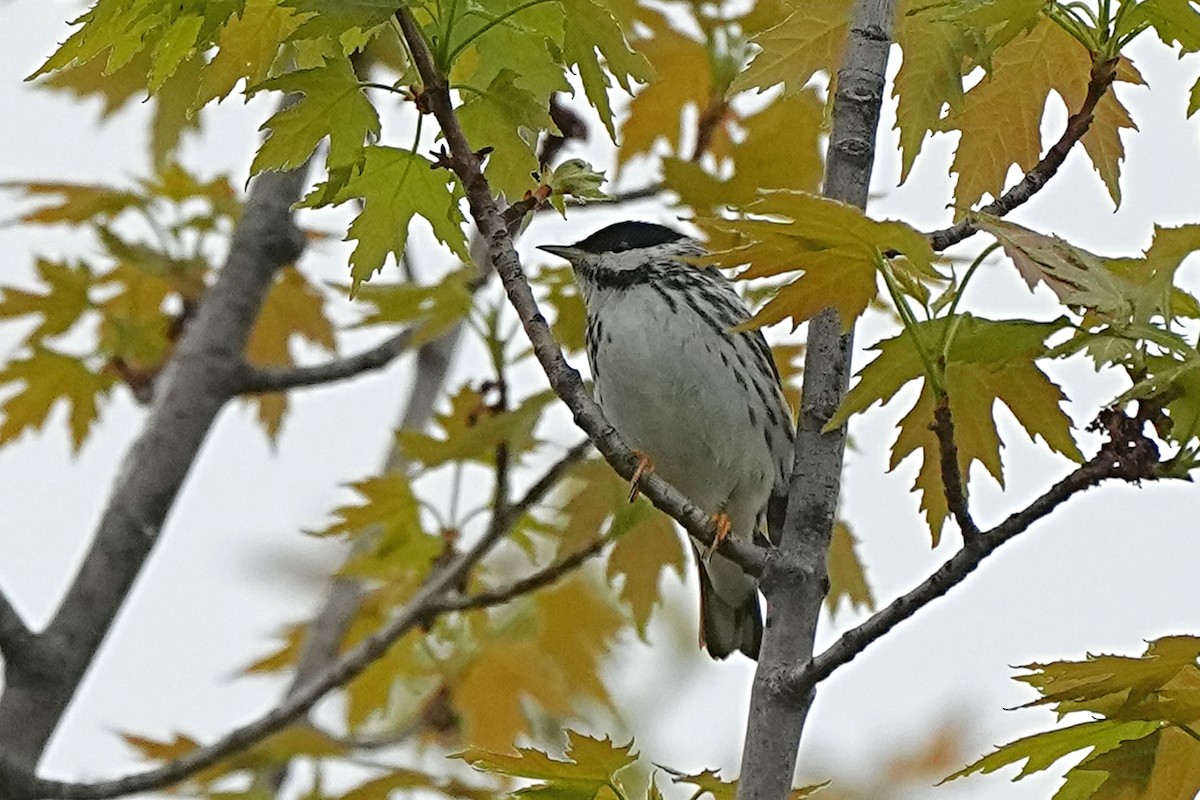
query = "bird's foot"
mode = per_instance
[
  {"x": 721, "y": 521},
  {"x": 644, "y": 467}
]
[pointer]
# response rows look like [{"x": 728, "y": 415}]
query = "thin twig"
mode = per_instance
[
  {"x": 263, "y": 380},
  {"x": 531, "y": 583},
  {"x": 1128, "y": 456},
  {"x": 565, "y": 380},
  {"x": 1103, "y": 74},
  {"x": 952, "y": 479}
]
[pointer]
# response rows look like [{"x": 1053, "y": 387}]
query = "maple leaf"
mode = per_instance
[
  {"x": 65, "y": 299},
  {"x": 1145, "y": 743},
  {"x": 590, "y": 766},
  {"x": 1000, "y": 117},
  {"x": 79, "y": 202},
  {"x": 433, "y": 308},
  {"x": 293, "y": 308},
  {"x": 847, "y": 575},
  {"x": 507, "y": 119},
  {"x": 835, "y": 245},
  {"x": 1077, "y": 277},
  {"x": 573, "y": 178},
  {"x": 333, "y": 106},
  {"x": 133, "y": 327},
  {"x": 115, "y": 89},
  {"x": 755, "y": 159},
  {"x": 348, "y": 22},
  {"x": 987, "y": 361},
  {"x": 809, "y": 40},
  {"x": 471, "y": 431},
  {"x": 1154, "y": 293},
  {"x": 553, "y": 660},
  {"x": 528, "y": 45},
  {"x": 49, "y": 376},
  {"x": 173, "y": 115},
  {"x": 682, "y": 78},
  {"x": 710, "y": 783},
  {"x": 247, "y": 46},
  {"x": 591, "y": 31},
  {"x": 395, "y": 186}
]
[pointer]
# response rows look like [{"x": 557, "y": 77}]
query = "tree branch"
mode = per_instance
[
  {"x": 263, "y": 380},
  {"x": 195, "y": 385},
  {"x": 1128, "y": 455},
  {"x": 952, "y": 479},
  {"x": 564, "y": 380},
  {"x": 15, "y": 637},
  {"x": 531, "y": 583},
  {"x": 796, "y": 577},
  {"x": 1103, "y": 74},
  {"x": 417, "y": 611}
]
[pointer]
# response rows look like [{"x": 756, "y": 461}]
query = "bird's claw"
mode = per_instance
[
  {"x": 723, "y": 525},
  {"x": 644, "y": 467}
]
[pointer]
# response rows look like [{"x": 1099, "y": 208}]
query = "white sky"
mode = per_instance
[{"x": 1114, "y": 568}]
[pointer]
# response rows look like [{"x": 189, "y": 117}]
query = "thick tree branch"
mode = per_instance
[
  {"x": 263, "y": 380},
  {"x": 1103, "y": 74},
  {"x": 1128, "y": 456},
  {"x": 564, "y": 379},
  {"x": 196, "y": 384},
  {"x": 796, "y": 576},
  {"x": 15, "y": 637}
]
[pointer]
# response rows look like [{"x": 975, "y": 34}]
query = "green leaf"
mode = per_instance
[
  {"x": 573, "y": 178},
  {"x": 347, "y": 22},
  {"x": 471, "y": 431},
  {"x": 591, "y": 765},
  {"x": 508, "y": 120},
  {"x": 434, "y": 308},
  {"x": 987, "y": 361},
  {"x": 591, "y": 32},
  {"x": 1041, "y": 750},
  {"x": 248, "y": 45},
  {"x": 333, "y": 105},
  {"x": 395, "y": 186},
  {"x": 1175, "y": 21}
]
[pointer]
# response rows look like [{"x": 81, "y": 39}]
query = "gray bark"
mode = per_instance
[
  {"x": 204, "y": 373},
  {"x": 796, "y": 577}
]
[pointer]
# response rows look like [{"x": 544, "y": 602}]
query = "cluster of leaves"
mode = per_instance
[
  {"x": 1143, "y": 739},
  {"x": 113, "y": 316}
]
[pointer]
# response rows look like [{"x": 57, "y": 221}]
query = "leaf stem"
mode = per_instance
[
  {"x": 955, "y": 321},
  {"x": 911, "y": 326},
  {"x": 467, "y": 42}
]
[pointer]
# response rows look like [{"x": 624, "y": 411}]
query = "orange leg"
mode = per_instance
[
  {"x": 644, "y": 467},
  {"x": 723, "y": 524}
]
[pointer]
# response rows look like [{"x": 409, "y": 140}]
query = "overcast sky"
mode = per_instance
[{"x": 1112, "y": 569}]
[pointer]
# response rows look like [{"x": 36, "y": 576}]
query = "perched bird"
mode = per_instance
[{"x": 700, "y": 403}]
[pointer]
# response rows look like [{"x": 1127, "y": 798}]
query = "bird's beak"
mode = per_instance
[{"x": 566, "y": 251}]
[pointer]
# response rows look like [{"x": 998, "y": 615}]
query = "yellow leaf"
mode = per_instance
[
  {"x": 682, "y": 77},
  {"x": 173, "y": 111},
  {"x": 553, "y": 662},
  {"x": 929, "y": 78},
  {"x": 472, "y": 430},
  {"x": 49, "y": 376},
  {"x": 293, "y": 308},
  {"x": 154, "y": 750},
  {"x": 847, "y": 575},
  {"x": 835, "y": 245},
  {"x": 810, "y": 39},
  {"x": 648, "y": 545},
  {"x": 65, "y": 299}
]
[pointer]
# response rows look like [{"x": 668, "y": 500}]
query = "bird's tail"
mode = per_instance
[{"x": 730, "y": 617}]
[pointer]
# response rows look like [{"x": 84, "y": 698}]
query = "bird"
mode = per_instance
[{"x": 697, "y": 398}]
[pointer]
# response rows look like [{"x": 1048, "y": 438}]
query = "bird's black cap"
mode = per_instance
[{"x": 628, "y": 236}]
